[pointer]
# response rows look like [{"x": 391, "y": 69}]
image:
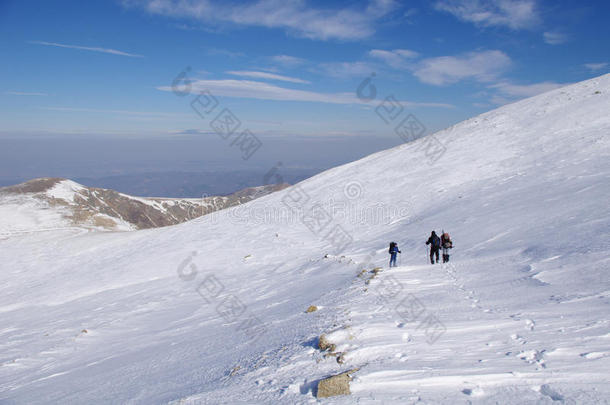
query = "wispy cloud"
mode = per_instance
[
  {"x": 380, "y": 8},
  {"x": 482, "y": 66},
  {"x": 24, "y": 93},
  {"x": 525, "y": 90},
  {"x": 514, "y": 14},
  {"x": 288, "y": 61},
  {"x": 191, "y": 131},
  {"x": 294, "y": 16},
  {"x": 555, "y": 38},
  {"x": 266, "y": 91},
  {"x": 266, "y": 75},
  {"x": 87, "y": 48},
  {"x": 595, "y": 66},
  {"x": 397, "y": 58}
]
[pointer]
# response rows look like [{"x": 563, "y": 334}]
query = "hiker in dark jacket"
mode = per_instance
[
  {"x": 435, "y": 243},
  {"x": 393, "y": 251}
]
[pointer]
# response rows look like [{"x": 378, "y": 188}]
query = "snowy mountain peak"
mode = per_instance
[
  {"x": 65, "y": 190},
  {"x": 55, "y": 203}
]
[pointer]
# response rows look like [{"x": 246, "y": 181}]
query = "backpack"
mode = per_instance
[
  {"x": 436, "y": 241},
  {"x": 446, "y": 240},
  {"x": 392, "y": 246}
]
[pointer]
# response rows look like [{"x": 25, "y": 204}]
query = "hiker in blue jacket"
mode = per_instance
[
  {"x": 435, "y": 244},
  {"x": 393, "y": 251}
]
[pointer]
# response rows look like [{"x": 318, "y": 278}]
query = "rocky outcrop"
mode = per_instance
[
  {"x": 335, "y": 385},
  {"x": 324, "y": 344}
]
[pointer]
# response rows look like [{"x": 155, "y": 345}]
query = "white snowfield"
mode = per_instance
[{"x": 212, "y": 311}]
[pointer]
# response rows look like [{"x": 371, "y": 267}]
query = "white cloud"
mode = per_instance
[
  {"x": 525, "y": 90},
  {"x": 267, "y": 91},
  {"x": 554, "y": 38},
  {"x": 287, "y": 60},
  {"x": 595, "y": 66},
  {"x": 380, "y": 7},
  {"x": 514, "y": 14},
  {"x": 397, "y": 58},
  {"x": 483, "y": 66},
  {"x": 292, "y": 15},
  {"x": 266, "y": 75},
  {"x": 87, "y": 48},
  {"x": 24, "y": 93}
]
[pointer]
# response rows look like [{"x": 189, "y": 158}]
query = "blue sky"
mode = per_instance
[{"x": 285, "y": 68}]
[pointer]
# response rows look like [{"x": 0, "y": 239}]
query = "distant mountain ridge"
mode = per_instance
[{"x": 52, "y": 203}]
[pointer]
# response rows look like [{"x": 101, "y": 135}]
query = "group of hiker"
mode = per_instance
[{"x": 436, "y": 244}]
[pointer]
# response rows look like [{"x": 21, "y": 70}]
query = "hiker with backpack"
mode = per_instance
[
  {"x": 393, "y": 251},
  {"x": 435, "y": 243},
  {"x": 446, "y": 244}
]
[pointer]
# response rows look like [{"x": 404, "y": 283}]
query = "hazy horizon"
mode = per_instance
[{"x": 187, "y": 166}]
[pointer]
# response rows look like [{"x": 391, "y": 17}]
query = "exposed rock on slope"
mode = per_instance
[{"x": 335, "y": 385}]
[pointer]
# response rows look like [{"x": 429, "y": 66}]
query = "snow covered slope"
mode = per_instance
[
  {"x": 213, "y": 310},
  {"x": 52, "y": 203}
]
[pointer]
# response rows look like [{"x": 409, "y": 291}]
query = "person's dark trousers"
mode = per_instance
[
  {"x": 433, "y": 252},
  {"x": 445, "y": 255},
  {"x": 393, "y": 260}
]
